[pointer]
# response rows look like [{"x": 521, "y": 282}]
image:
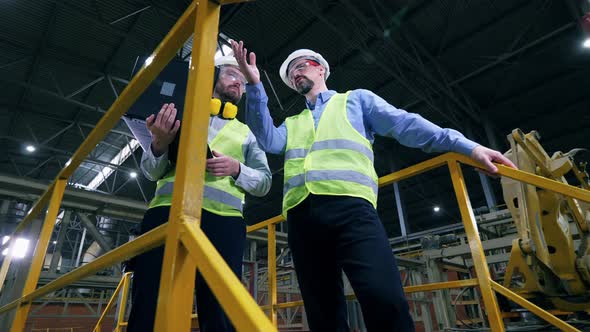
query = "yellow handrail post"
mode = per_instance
[
  {"x": 123, "y": 301},
  {"x": 121, "y": 286},
  {"x": 178, "y": 270},
  {"x": 272, "y": 272},
  {"x": 22, "y": 311},
  {"x": 478, "y": 256}
]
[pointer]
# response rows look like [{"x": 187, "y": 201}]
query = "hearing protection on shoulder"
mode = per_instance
[{"x": 227, "y": 109}]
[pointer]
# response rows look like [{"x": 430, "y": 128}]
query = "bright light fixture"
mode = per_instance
[
  {"x": 30, "y": 148},
  {"x": 436, "y": 209},
  {"x": 20, "y": 247},
  {"x": 133, "y": 175},
  {"x": 587, "y": 43}
]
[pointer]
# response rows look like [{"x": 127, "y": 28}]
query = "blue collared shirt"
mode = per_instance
[{"x": 368, "y": 113}]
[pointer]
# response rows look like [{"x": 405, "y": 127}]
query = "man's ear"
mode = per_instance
[{"x": 322, "y": 70}]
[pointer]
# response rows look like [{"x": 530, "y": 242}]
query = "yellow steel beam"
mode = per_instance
[
  {"x": 407, "y": 289},
  {"x": 413, "y": 170},
  {"x": 478, "y": 256},
  {"x": 430, "y": 164},
  {"x": 141, "y": 244},
  {"x": 272, "y": 272},
  {"x": 263, "y": 224},
  {"x": 539, "y": 181},
  {"x": 22, "y": 311},
  {"x": 441, "y": 285},
  {"x": 178, "y": 270},
  {"x": 551, "y": 319},
  {"x": 241, "y": 308},
  {"x": 290, "y": 304}
]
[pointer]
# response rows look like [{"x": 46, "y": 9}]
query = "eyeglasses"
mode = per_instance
[
  {"x": 301, "y": 67},
  {"x": 234, "y": 76}
]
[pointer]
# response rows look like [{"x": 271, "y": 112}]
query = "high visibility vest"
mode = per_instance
[
  {"x": 220, "y": 194},
  {"x": 334, "y": 159}
]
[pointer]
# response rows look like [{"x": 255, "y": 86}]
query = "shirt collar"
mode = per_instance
[{"x": 323, "y": 98}]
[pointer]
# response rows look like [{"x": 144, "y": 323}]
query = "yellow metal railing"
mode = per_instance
[
  {"x": 186, "y": 246},
  {"x": 487, "y": 286},
  {"x": 120, "y": 294}
]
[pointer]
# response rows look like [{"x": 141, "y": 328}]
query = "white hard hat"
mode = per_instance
[
  {"x": 226, "y": 60},
  {"x": 306, "y": 54}
]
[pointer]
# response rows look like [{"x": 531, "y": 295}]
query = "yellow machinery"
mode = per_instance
[{"x": 544, "y": 260}]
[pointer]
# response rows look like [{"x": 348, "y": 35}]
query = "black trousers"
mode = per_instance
[
  {"x": 331, "y": 234},
  {"x": 228, "y": 235}
]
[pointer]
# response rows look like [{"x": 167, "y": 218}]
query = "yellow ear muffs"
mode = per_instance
[
  {"x": 215, "y": 106},
  {"x": 229, "y": 110}
]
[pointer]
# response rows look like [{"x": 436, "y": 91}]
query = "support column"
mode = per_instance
[
  {"x": 80, "y": 247},
  {"x": 401, "y": 212},
  {"x": 399, "y": 202},
  {"x": 65, "y": 222},
  {"x": 254, "y": 272}
]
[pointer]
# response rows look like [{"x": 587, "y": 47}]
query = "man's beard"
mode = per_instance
[
  {"x": 233, "y": 96},
  {"x": 304, "y": 85}
]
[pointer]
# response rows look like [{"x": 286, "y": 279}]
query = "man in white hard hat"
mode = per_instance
[
  {"x": 330, "y": 188},
  {"x": 238, "y": 166}
]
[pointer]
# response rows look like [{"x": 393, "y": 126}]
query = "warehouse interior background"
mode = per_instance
[{"x": 481, "y": 67}]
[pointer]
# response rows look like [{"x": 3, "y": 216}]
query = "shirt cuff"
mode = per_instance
[
  {"x": 255, "y": 91},
  {"x": 245, "y": 175},
  {"x": 465, "y": 146},
  {"x": 158, "y": 160}
]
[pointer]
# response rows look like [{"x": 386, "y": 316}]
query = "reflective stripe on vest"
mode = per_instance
[
  {"x": 295, "y": 153},
  {"x": 310, "y": 176},
  {"x": 335, "y": 144},
  {"x": 220, "y": 194},
  {"x": 208, "y": 192},
  {"x": 334, "y": 159}
]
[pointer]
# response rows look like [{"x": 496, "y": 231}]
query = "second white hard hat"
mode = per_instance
[
  {"x": 306, "y": 54},
  {"x": 226, "y": 60}
]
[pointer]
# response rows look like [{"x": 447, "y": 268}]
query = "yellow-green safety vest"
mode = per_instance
[
  {"x": 334, "y": 159},
  {"x": 220, "y": 194}
]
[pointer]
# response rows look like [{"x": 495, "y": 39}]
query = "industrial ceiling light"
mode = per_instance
[
  {"x": 19, "y": 249},
  {"x": 30, "y": 148},
  {"x": 436, "y": 209},
  {"x": 133, "y": 175},
  {"x": 586, "y": 27}
]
